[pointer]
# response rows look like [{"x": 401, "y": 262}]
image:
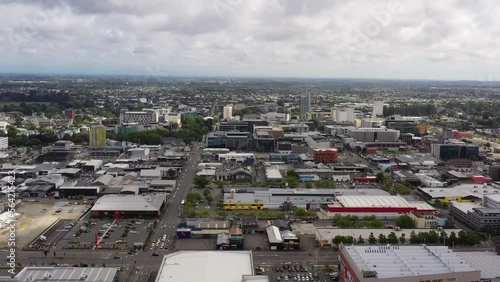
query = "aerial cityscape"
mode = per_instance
[{"x": 232, "y": 141}]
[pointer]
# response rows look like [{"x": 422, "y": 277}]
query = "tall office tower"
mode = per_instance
[
  {"x": 228, "y": 112},
  {"x": 97, "y": 136},
  {"x": 378, "y": 108},
  {"x": 305, "y": 106}
]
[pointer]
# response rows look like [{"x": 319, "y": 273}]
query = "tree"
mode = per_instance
[
  {"x": 371, "y": 239},
  {"x": 443, "y": 237},
  {"x": 453, "y": 240},
  {"x": 293, "y": 174},
  {"x": 405, "y": 222},
  {"x": 308, "y": 185},
  {"x": 380, "y": 177},
  {"x": 200, "y": 182},
  {"x": 413, "y": 238},
  {"x": 171, "y": 173},
  {"x": 361, "y": 240},
  {"x": 300, "y": 212},
  {"x": 433, "y": 237},
  {"x": 402, "y": 238},
  {"x": 324, "y": 183},
  {"x": 392, "y": 238},
  {"x": 344, "y": 223},
  {"x": 382, "y": 239}
]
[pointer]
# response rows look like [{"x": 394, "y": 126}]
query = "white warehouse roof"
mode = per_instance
[
  {"x": 380, "y": 201},
  {"x": 208, "y": 266},
  {"x": 407, "y": 261}
]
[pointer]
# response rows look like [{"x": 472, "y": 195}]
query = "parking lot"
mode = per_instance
[
  {"x": 298, "y": 272},
  {"x": 120, "y": 235}
]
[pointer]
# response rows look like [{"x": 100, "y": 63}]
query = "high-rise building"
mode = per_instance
[
  {"x": 305, "y": 105},
  {"x": 97, "y": 136},
  {"x": 344, "y": 114},
  {"x": 228, "y": 112},
  {"x": 446, "y": 152},
  {"x": 141, "y": 117},
  {"x": 378, "y": 108}
]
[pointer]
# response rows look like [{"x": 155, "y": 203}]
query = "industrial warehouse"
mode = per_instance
[{"x": 142, "y": 206}]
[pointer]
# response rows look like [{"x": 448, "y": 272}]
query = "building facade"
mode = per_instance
[
  {"x": 305, "y": 105},
  {"x": 325, "y": 156},
  {"x": 97, "y": 136}
]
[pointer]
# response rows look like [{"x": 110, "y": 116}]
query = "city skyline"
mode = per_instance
[{"x": 449, "y": 40}]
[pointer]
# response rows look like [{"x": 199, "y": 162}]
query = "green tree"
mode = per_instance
[
  {"x": 371, "y": 239},
  {"x": 453, "y": 240},
  {"x": 405, "y": 222},
  {"x": 382, "y": 239},
  {"x": 402, "y": 238},
  {"x": 361, "y": 240},
  {"x": 300, "y": 212},
  {"x": 380, "y": 177},
  {"x": 324, "y": 183},
  {"x": 171, "y": 173},
  {"x": 433, "y": 237},
  {"x": 308, "y": 185},
  {"x": 392, "y": 238},
  {"x": 413, "y": 238},
  {"x": 200, "y": 182},
  {"x": 293, "y": 174}
]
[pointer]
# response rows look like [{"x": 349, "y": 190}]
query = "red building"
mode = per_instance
[
  {"x": 325, "y": 156},
  {"x": 70, "y": 113}
]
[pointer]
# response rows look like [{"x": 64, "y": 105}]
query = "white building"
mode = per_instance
[
  {"x": 228, "y": 112},
  {"x": 274, "y": 116},
  {"x": 343, "y": 114},
  {"x": 209, "y": 266},
  {"x": 378, "y": 108},
  {"x": 428, "y": 181},
  {"x": 4, "y": 143}
]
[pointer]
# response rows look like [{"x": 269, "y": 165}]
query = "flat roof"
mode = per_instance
[
  {"x": 274, "y": 235},
  {"x": 152, "y": 202},
  {"x": 91, "y": 274},
  {"x": 487, "y": 262},
  {"x": 273, "y": 173},
  {"x": 466, "y": 207},
  {"x": 380, "y": 201},
  {"x": 464, "y": 190},
  {"x": 407, "y": 260},
  {"x": 209, "y": 266}
]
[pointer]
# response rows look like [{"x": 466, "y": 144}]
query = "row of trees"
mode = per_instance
[
  {"x": 463, "y": 238},
  {"x": 353, "y": 221}
]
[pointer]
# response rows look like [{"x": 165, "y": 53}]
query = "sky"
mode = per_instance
[{"x": 396, "y": 39}]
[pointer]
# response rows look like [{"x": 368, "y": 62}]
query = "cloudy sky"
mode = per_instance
[{"x": 426, "y": 39}]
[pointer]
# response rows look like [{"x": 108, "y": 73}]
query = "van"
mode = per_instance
[{"x": 183, "y": 202}]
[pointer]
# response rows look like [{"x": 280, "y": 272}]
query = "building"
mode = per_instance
[
  {"x": 460, "y": 193},
  {"x": 344, "y": 114},
  {"x": 404, "y": 126},
  {"x": 476, "y": 216},
  {"x": 487, "y": 262},
  {"x": 144, "y": 118},
  {"x": 380, "y": 206},
  {"x": 494, "y": 172},
  {"x": 228, "y": 112},
  {"x": 52, "y": 274},
  {"x": 131, "y": 206},
  {"x": 378, "y": 109},
  {"x": 374, "y": 134},
  {"x": 305, "y": 105},
  {"x": 70, "y": 113},
  {"x": 428, "y": 181},
  {"x": 97, "y": 136},
  {"x": 425, "y": 219},
  {"x": 228, "y": 139},
  {"x": 447, "y": 152},
  {"x": 186, "y": 115},
  {"x": 405, "y": 263},
  {"x": 4, "y": 143},
  {"x": 325, "y": 156},
  {"x": 208, "y": 266}
]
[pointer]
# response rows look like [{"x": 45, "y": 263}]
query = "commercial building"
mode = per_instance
[
  {"x": 343, "y": 114},
  {"x": 209, "y": 266},
  {"x": 135, "y": 206},
  {"x": 374, "y": 134},
  {"x": 360, "y": 263},
  {"x": 446, "y": 152},
  {"x": 144, "y": 118},
  {"x": 228, "y": 139},
  {"x": 325, "y": 156},
  {"x": 380, "y": 206},
  {"x": 486, "y": 262},
  {"x": 228, "y": 112},
  {"x": 428, "y": 181},
  {"x": 476, "y": 216},
  {"x": 246, "y": 198},
  {"x": 53, "y": 274},
  {"x": 460, "y": 193},
  {"x": 378, "y": 109},
  {"x": 494, "y": 172},
  {"x": 97, "y": 136},
  {"x": 403, "y": 126},
  {"x": 305, "y": 105}
]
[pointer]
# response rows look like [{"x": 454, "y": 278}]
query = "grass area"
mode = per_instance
[{"x": 28, "y": 103}]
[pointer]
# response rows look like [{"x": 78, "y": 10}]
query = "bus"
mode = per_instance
[{"x": 182, "y": 202}]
